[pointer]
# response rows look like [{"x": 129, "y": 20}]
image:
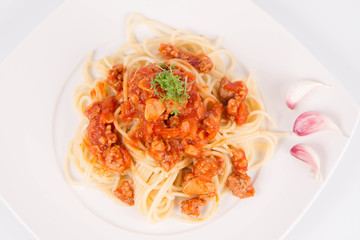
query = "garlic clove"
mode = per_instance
[
  {"x": 310, "y": 122},
  {"x": 308, "y": 155},
  {"x": 298, "y": 91}
]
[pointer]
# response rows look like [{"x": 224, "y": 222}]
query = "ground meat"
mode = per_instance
[
  {"x": 191, "y": 206},
  {"x": 239, "y": 161},
  {"x": 97, "y": 137},
  {"x": 127, "y": 112},
  {"x": 169, "y": 160},
  {"x": 232, "y": 95},
  {"x": 212, "y": 121},
  {"x": 204, "y": 63},
  {"x": 125, "y": 192},
  {"x": 173, "y": 121},
  {"x": 225, "y": 94},
  {"x": 117, "y": 158},
  {"x": 110, "y": 135},
  {"x": 157, "y": 145},
  {"x": 207, "y": 167},
  {"x": 93, "y": 110},
  {"x": 157, "y": 148},
  {"x": 229, "y": 89},
  {"x": 115, "y": 77},
  {"x": 242, "y": 114},
  {"x": 172, "y": 153},
  {"x": 201, "y": 62},
  {"x": 240, "y": 184},
  {"x": 101, "y": 133}
]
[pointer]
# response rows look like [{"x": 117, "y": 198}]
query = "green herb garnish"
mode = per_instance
[
  {"x": 174, "y": 88},
  {"x": 163, "y": 65}
]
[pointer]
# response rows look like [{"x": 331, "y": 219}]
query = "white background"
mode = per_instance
[{"x": 330, "y": 29}]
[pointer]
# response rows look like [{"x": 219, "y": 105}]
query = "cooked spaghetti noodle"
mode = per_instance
[{"x": 163, "y": 120}]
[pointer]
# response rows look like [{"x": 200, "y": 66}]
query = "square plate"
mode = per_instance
[{"x": 38, "y": 84}]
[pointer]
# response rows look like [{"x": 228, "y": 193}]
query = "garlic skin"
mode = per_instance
[
  {"x": 298, "y": 91},
  {"x": 310, "y": 122},
  {"x": 309, "y": 156}
]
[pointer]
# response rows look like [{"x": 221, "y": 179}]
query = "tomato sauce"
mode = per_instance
[
  {"x": 104, "y": 142},
  {"x": 169, "y": 135}
]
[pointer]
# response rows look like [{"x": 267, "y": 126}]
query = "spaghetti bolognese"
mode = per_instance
[{"x": 163, "y": 120}]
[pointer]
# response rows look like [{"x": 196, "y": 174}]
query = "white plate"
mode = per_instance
[{"x": 38, "y": 120}]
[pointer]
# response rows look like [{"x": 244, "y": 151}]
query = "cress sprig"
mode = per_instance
[{"x": 174, "y": 88}]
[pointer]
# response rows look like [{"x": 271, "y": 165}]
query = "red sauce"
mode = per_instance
[
  {"x": 201, "y": 62},
  {"x": 104, "y": 142},
  {"x": 167, "y": 137},
  {"x": 233, "y": 95}
]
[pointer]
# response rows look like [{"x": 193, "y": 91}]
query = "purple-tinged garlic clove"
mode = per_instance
[
  {"x": 310, "y": 122},
  {"x": 308, "y": 155}
]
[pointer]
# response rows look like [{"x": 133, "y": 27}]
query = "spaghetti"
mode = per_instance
[{"x": 163, "y": 121}]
